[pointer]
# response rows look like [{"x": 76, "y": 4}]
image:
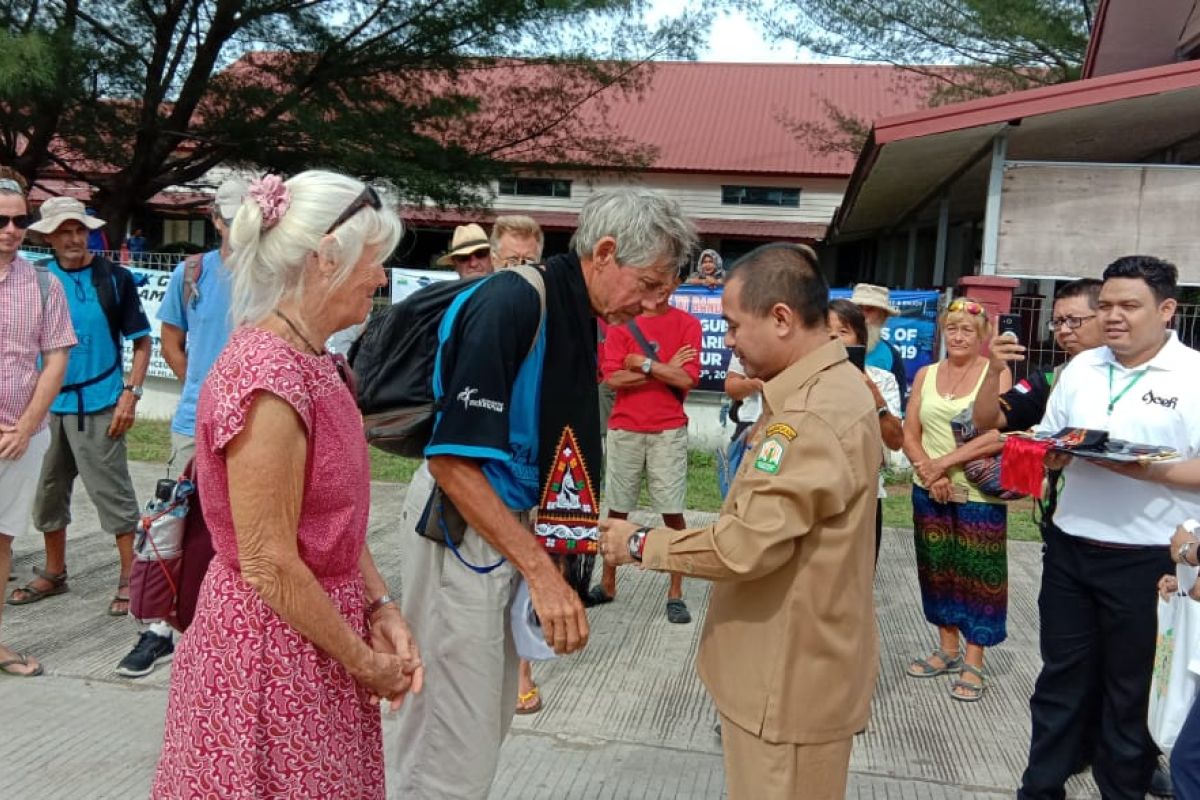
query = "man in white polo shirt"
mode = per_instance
[{"x": 1109, "y": 538}]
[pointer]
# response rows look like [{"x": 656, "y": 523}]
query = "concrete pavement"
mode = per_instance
[{"x": 626, "y": 719}]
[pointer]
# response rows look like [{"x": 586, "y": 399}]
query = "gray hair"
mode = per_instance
[
  {"x": 519, "y": 225},
  {"x": 268, "y": 265},
  {"x": 648, "y": 227}
]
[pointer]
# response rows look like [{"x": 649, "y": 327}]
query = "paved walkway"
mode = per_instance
[{"x": 626, "y": 719}]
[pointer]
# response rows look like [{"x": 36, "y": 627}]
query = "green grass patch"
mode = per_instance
[{"x": 150, "y": 440}]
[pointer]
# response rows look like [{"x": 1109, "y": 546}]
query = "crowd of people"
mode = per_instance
[{"x": 276, "y": 688}]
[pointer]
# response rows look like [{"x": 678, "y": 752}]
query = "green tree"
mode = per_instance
[
  {"x": 435, "y": 96},
  {"x": 948, "y": 50}
]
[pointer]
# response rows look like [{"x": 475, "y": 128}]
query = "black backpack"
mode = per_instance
[{"x": 394, "y": 358}]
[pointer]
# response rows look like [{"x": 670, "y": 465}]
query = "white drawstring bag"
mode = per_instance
[{"x": 1176, "y": 674}]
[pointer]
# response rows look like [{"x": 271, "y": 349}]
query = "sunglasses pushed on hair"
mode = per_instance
[
  {"x": 368, "y": 197},
  {"x": 967, "y": 306}
]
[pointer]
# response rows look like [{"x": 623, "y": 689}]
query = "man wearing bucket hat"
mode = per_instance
[
  {"x": 873, "y": 300},
  {"x": 96, "y": 406},
  {"x": 470, "y": 252}
]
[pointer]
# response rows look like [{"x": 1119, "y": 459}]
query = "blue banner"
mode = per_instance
[{"x": 912, "y": 331}]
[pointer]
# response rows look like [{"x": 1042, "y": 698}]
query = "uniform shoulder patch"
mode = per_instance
[
  {"x": 781, "y": 429},
  {"x": 770, "y": 455}
]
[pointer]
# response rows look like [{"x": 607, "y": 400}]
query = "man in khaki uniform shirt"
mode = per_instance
[{"x": 789, "y": 650}]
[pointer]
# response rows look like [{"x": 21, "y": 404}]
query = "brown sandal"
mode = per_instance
[
  {"x": 117, "y": 599},
  {"x": 32, "y": 594}
]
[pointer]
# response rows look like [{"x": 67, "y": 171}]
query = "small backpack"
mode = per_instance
[{"x": 394, "y": 360}]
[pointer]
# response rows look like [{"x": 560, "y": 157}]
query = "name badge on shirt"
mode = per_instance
[{"x": 770, "y": 455}]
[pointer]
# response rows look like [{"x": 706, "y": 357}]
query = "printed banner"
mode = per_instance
[
  {"x": 406, "y": 281},
  {"x": 912, "y": 331},
  {"x": 152, "y": 288}
]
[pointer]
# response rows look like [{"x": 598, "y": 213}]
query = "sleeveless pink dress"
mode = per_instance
[{"x": 255, "y": 710}]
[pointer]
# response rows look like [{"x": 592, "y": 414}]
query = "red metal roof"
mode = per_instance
[
  {"x": 567, "y": 221},
  {"x": 731, "y": 118}
]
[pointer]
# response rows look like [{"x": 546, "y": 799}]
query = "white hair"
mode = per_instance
[
  {"x": 648, "y": 227},
  {"x": 268, "y": 265}
]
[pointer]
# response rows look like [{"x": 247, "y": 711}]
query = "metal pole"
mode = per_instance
[
  {"x": 991, "y": 217},
  {"x": 943, "y": 231}
]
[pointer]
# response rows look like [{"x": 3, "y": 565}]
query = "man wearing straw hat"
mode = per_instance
[
  {"x": 873, "y": 300},
  {"x": 470, "y": 252},
  {"x": 96, "y": 405}
]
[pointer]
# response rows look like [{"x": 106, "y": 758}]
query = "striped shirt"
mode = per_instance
[{"x": 26, "y": 331}]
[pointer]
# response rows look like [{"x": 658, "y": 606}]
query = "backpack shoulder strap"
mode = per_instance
[
  {"x": 104, "y": 279},
  {"x": 192, "y": 266},
  {"x": 42, "y": 271},
  {"x": 534, "y": 277}
]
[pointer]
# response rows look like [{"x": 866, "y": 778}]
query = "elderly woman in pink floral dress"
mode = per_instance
[{"x": 275, "y": 687}]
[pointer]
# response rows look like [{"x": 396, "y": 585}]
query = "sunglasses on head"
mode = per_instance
[
  {"x": 368, "y": 197},
  {"x": 967, "y": 306},
  {"x": 20, "y": 221}
]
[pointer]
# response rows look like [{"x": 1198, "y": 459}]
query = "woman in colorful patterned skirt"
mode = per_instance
[
  {"x": 275, "y": 688},
  {"x": 960, "y": 533}
]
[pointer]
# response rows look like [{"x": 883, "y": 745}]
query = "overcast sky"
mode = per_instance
[{"x": 734, "y": 37}]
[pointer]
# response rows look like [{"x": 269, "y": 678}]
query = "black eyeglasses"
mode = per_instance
[
  {"x": 1070, "y": 323},
  {"x": 20, "y": 221},
  {"x": 368, "y": 197}
]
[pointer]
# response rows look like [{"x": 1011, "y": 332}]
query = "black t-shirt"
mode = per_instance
[
  {"x": 1024, "y": 404},
  {"x": 486, "y": 412}
]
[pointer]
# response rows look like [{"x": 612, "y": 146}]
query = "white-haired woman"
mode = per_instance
[{"x": 274, "y": 689}]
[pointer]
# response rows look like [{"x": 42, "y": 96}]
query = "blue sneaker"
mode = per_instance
[{"x": 149, "y": 651}]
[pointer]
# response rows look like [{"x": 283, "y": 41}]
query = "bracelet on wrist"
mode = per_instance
[{"x": 382, "y": 601}]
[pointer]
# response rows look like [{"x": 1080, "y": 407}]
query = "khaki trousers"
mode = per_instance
[
  {"x": 445, "y": 742},
  {"x": 759, "y": 770}
]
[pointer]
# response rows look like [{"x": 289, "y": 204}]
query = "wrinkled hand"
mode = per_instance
[
  {"x": 560, "y": 611},
  {"x": 941, "y": 490},
  {"x": 1167, "y": 586},
  {"x": 1181, "y": 538},
  {"x": 1057, "y": 461},
  {"x": 878, "y": 395},
  {"x": 14, "y": 441},
  {"x": 634, "y": 361},
  {"x": 384, "y": 675},
  {"x": 614, "y": 541},
  {"x": 390, "y": 634},
  {"x": 930, "y": 471},
  {"x": 1002, "y": 350},
  {"x": 123, "y": 415},
  {"x": 683, "y": 355}
]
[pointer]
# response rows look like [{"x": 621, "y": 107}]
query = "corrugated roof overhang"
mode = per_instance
[{"x": 909, "y": 160}]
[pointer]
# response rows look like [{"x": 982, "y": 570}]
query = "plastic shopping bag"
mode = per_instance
[
  {"x": 1175, "y": 680},
  {"x": 528, "y": 636}
]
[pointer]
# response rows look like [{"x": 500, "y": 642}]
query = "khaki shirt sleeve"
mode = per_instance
[{"x": 770, "y": 510}]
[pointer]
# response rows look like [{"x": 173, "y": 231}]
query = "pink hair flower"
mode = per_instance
[{"x": 273, "y": 199}]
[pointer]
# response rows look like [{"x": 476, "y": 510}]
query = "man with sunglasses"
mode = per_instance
[
  {"x": 196, "y": 324},
  {"x": 34, "y": 323},
  {"x": 470, "y": 252},
  {"x": 96, "y": 404}
]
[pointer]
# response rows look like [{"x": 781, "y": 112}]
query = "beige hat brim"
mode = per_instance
[
  {"x": 462, "y": 250},
  {"x": 51, "y": 224},
  {"x": 891, "y": 312}
]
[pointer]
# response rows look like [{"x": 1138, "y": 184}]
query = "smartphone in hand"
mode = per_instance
[
  {"x": 858, "y": 355},
  {"x": 1008, "y": 325}
]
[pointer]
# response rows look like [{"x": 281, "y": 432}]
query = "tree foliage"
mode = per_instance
[{"x": 434, "y": 96}]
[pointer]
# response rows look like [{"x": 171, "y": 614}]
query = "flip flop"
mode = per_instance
[
  {"x": 677, "y": 611},
  {"x": 20, "y": 660},
  {"x": 596, "y": 596},
  {"x": 532, "y": 694}
]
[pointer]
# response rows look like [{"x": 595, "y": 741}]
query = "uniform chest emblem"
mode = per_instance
[
  {"x": 781, "y": 429},
  {"x": 770, "y": 455}
]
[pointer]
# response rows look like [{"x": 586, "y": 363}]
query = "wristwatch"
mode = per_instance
[
  {"x": 646, "y": 365},
  {"x": 136, "y": 391},
  {"x": 1184, "y": 549},
  {"x": 882, "y": 411},
  {"x": 637, "y": 540}
]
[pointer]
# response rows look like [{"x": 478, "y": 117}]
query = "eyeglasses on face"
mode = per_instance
[
  {"x": 518, "y": 261},
  {"x": 966, "y": 306},
  {"x": 1071, "y": 323},
  {"x": 19, "y": 221},
  {"x": 368, "y": 197}
]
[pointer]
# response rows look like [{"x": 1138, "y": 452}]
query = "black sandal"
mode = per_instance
[
  {"x": 596, "y": 596},
  {"x": 58, "y": 585}
]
